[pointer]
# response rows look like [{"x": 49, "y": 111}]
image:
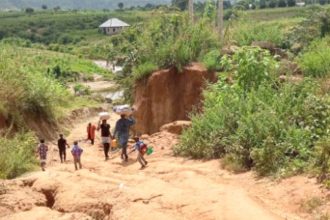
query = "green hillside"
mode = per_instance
[{"x": 77, "y": 4}]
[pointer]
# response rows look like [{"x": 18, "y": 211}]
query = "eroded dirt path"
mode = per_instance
[{"x": 169, "y": 188}]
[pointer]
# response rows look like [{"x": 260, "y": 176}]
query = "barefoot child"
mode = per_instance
[
  {"x": 42, "y": 151},
  {"x": 141, "y": 148},
  {"x": 76, "y": 153}
]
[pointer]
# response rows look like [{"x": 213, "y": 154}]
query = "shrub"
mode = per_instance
[
  {"x": 32, "y": 92},
  {"x": 255, "y": 121},
  {"x": 316, "y": 25},
  {"x": 244, "y": 32},
  {"x": 80, "y": 89},
  {"x": 315, "y": 60},
  {"x": 322, "y": 159},
  {"x": 282, "y": 3},
  {"x": 17, "y": 155},
  {"x": 212, "y": 60},
  {"x": 143, "y": 70}
]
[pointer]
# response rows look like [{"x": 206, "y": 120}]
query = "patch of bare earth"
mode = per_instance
[{"x": 169, "y": 188}]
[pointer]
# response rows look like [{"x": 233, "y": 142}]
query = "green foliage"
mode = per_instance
[
  {"x": 143, "y": 70},
  {"x": 322, "y": 159},
  {"x": 315, "y": 25},
  {"x": 26, "y": 90},
  {"x": 251, "y": 67},
  {"x": 181, "y": 4},
  {"x": 255, "y": 121},
  {"x": 244, "y": 32},
  {"x": 80, "y": 89},
  {"x": 211, "y": 60},
  {"x": 167, "y": 41},
  {"x": 315, "y": 60},
  {"x": 17, "y": 155}
]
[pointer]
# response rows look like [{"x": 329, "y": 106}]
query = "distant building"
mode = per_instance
[
  {"x": 113, "y": 26},
  {"x": 300, "y": 3}
]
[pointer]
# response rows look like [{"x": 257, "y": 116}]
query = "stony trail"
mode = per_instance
[{"x": 169, "y": 188}]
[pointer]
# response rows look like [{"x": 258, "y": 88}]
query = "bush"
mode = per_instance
[
  {"x": 80, "y": 89},
  {"x": 32, "y": 92},
  {"x": 282, "y": 3},
  {"x": 315, "y": 60},
  {"x": 322, "y": 159},
  {"x": 17, "y": 155},
  {"x": 316, "y": 25},
  {"x": 212, "y": 60},
  {"x": 255, "y": 121},
  {"x": 291, "y": 3},
  {"x": 144, "y": 70},
  {"x": 244, "y": 32}
]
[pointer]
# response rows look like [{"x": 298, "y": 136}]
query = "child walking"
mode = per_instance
[
  {"x": 42, "y": 151},
  {"x": 141, "y": 148},
  {"x": 76, "y": 153}
]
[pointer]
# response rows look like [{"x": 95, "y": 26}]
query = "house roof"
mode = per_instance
[{"x": 114, "y": 22}]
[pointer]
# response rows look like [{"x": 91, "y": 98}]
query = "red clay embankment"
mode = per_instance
[{"x": 169, "y": 95}]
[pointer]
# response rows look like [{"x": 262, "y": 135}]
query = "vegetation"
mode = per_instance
[
  {"x": 257, "y": 121},
  {"x": 31, "y": 90},
  {"x": 71, "y": 4},
  {"x": 315, "y": 60},
  {"x": 17, "y": 155}
]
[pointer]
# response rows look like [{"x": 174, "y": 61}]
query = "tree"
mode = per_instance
[
  {"x": 29, "y": 10},
  {"x": 181, "y": 4},
  {"x": 57, "y": 8},
  {"x": 322, "y": 2},
  {"x": 44, "y": 7},
  {"x": 272, "y": 4},
  {"x": 282, "y": 3},
  {"x": 262, "y": 4},
  {"x": 291, "y": 3},
  {"x": 121, "y": 5},
  {"x": 226, "y": 4}
]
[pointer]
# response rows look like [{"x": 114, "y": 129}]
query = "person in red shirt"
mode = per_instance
[{"x": 91, "y": 132}]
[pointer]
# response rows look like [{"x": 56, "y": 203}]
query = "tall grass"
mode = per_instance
[
  {"x": 17, "y": 155},
  {"x": 315, "y": 60},
  {"x": 262, "y": 124}
]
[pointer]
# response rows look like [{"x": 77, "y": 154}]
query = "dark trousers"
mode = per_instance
[
  {"x": 62, "y": 152},
  {"x": 106, "y": 147},
  {"x": 92, "y": 141},
  {"x": 124, "y": 155}
]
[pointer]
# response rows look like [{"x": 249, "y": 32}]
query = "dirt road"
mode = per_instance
[{"x": 169, "y": 188}]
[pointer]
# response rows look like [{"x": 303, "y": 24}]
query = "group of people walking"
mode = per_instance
[{"x": 121, "y": 134}]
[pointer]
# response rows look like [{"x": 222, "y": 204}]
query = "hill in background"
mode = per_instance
[{"x": 76, "y": 4}]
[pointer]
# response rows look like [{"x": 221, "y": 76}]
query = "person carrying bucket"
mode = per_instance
[{"x": 141, "y": 148}]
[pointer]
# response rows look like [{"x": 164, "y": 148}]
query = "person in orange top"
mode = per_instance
[{"x": 91, "y": 132}]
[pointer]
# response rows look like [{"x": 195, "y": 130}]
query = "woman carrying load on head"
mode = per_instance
[{"x": 122, "y": 131}]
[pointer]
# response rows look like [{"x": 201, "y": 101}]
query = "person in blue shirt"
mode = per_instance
[
  {"x": 122, "y": 132},
  {"x": 76, "y": 153},
  {"x": 141, "y": 148}
]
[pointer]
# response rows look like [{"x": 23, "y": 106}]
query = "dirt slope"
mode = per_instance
[{"x": 169, "y": 188}]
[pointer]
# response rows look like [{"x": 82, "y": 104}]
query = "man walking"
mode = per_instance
[
  {"x": 62, "y": 144},
  {"x": 122, "y": 130},
  {"x": 105, "y": 136}
]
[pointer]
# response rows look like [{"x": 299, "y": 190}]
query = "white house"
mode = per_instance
[{"x": 113, "y": 26}]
